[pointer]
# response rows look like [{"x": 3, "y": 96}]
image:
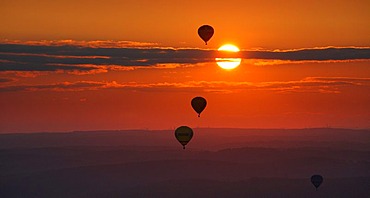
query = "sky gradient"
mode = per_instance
[{"x": 75, "y": 65}]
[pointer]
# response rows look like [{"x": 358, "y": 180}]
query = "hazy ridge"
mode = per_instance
[{"x": 216, "y": 163}]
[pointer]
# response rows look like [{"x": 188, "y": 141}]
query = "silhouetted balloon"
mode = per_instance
[
  {"x": 198, "y": 104},
  {"x": 184, "y": 134},
  {"x": 316, "y": 180},
  {"x": 205, "y": 32}
]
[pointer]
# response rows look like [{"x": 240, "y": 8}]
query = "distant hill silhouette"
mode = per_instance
[{"x": 217, "y": 163}]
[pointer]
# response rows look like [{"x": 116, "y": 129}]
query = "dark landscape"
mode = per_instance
[{"x": 216, "y": 163}]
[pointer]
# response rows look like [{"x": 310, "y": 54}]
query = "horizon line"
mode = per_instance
[{"x": 172, "y": 129}]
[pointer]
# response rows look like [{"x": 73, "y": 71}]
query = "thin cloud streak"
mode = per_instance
[
  {"x": 310, "y": 84},
  {"x": 91, "y": 44},
  {"x": 318, "y": 54},
  {"x": 6, "y": 80},
  {"x": 271, "y": 62}
]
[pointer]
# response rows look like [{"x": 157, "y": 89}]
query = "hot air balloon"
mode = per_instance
[
  {"x": 198, "y": 104},
  {"x": 316, "y": 180},
  {"x": 205, "y": 32},
  {"x": 183, "y": 134}
]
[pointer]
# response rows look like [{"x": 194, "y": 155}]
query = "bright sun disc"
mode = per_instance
[
  {"x": 229, "y": 48},
  {"x": 228, "y": 63}
]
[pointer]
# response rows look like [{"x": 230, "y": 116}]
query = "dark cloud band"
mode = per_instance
[{"x": 21, "y": 57}]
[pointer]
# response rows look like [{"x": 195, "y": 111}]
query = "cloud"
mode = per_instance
[
  {"x": 91, "y": 44},
  {"x": 86, "y": 57},
  {"x": 6, "y": 80},
  {"x": 268, "y": 62},
  {"x": 314, "y": 54},
  {"x": 62, "y": 86},
  {"x": 317, "y": 84},
  {"x": 27, "y": 74},
  {"x": 310, "y": 84}
]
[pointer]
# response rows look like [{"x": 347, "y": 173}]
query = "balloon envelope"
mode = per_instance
[
  {"x": 316, "y": 180},
  {"x": 205, "y": 32},
  {"x": 184, "y": 134},
  {"x": 198, "y": 104}
]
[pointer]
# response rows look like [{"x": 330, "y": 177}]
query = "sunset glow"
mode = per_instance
[
  {"x": 229, "y": 48},
  {"x": 73, "y": 65},
  {"x": 174, "y": 98},
  {"x": 228, "y": 63}
]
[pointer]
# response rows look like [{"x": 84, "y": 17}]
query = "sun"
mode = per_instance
[
  {"x": 229, "y": 48},
  {"x": 228, "y": 63}
]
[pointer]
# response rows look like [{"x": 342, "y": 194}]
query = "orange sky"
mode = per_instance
[
  {"x": 64, "y": 64},
  {"x": 272, "y": 24}
]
